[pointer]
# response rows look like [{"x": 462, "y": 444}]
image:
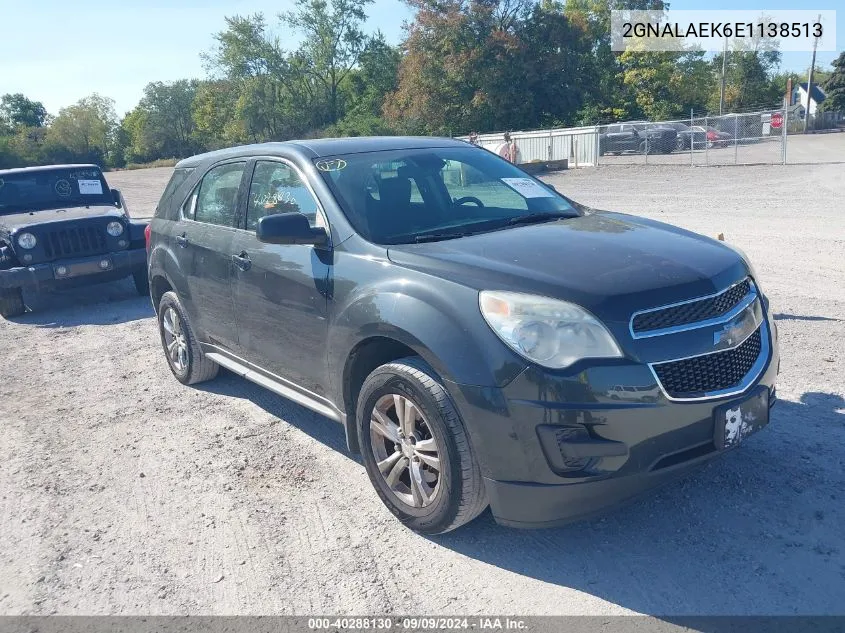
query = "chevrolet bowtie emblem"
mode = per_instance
[{"x": 727, "y": 336}]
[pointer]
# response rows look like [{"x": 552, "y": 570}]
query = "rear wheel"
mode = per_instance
[
  {"x": 11, "y": 302},
  {"x": 416, "y": 450},
  {"x": 181, "y": 348}
]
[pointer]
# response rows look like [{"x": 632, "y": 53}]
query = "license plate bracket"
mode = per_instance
[
  {"x": 737, "y": 420},
  {"x": 78, "y": 269}
]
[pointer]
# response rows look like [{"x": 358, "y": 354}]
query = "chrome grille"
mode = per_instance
[
  {"x": 75, "y": 241},
  {"x": 700, "y": 375},
  {"x": 692, "y": 311}
]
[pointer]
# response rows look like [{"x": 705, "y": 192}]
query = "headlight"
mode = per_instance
[
  {"x": 27, "y": 240},
  {"x": 114, "y": 228},
  {"x": 549, "y": 332}
]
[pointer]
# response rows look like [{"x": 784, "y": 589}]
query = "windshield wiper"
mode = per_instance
[
  {"x": 436, "y": 237},
  {"x": 535, "y": 218}
]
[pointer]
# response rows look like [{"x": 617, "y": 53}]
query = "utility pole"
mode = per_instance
[
  {"x": 810, "y": 82},
  {"x": 722, "y": 90}
]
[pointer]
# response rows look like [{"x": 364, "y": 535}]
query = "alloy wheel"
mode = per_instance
[
  {"x": 175, "y": 340},
  {"x": 405, "y": 450}
]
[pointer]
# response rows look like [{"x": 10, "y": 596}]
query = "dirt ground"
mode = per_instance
[{"x": 124, "y": 492}]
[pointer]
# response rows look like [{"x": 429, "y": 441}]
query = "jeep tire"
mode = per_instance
[
  {"x": 416, "y": 450},
  {"x": 142, "y": 282},
  {"x": 11, "y": 302}
]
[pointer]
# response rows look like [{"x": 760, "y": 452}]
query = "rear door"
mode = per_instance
[
  {"x": 203, "y": 240},
  {"x": 281, "y": 291}
]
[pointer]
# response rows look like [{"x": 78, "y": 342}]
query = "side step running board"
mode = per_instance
[{"x": 274, "y": 386}]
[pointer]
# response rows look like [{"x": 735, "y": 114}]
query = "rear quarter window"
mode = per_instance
[{"x": 176, "y": 180}]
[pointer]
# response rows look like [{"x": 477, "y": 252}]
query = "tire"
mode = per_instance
[
  {"x": 188, "y": 363},
  {"x": 445, "y": 499},
  {"x": 643, "y": 148},
  {"x": 11, "y": 302},
  {"x": 142, "y": 282}
]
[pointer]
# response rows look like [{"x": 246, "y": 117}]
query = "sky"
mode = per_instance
[{"x": 57, "y": 52}]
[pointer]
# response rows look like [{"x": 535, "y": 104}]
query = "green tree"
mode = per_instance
[
  {"x": 84, "y": 132},
  {"x": 606, "y": 97},
  {"x": 213, "y": 112},
  {"x": 332, "y": 45},
  {"x": 17, "y": 110},
  {"x": 365, "y": 88},
  {"x": 273, "y": 95},
  {"x": 667, "y": 85},
  {"x": 489, "y": 66},
  {"x": 834, "y": 87}
]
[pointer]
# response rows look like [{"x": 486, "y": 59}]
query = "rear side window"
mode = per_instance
[
  {"x": 216, "y": 200},
  {"x": 179, "y": 176}
]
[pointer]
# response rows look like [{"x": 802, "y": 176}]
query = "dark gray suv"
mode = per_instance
[{"x": 482, "y": 338}]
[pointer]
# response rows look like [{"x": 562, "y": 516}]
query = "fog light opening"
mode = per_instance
[
  {"x": 104, "y": 264},
  {"x": 61, "y": 271}
]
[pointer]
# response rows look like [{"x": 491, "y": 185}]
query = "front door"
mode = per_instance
[
  {"x": 280, "y": 291},
  {"x": 203, "y": 242}
]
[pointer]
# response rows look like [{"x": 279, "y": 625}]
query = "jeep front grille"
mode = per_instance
[
  {"x": 75, "y": 241},
  {"x": 691, "y": 311},
  {"x": 702, "y": 375}
]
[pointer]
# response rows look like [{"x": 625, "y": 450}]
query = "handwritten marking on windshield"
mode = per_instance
[{"x": 331, "y": 165}]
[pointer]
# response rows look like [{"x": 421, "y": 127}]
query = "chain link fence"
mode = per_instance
[{"x": 745, "y": 138}]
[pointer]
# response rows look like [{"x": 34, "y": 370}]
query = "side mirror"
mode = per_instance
[
  {"x": 118, "y": 199},
  {"x": 289, "y": 228}
]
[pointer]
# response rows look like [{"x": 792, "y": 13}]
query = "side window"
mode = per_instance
[
  {"x": 216, "y": 199},
  {"x": 277, "y": 188},
  {"x": 179, "y": 176}
]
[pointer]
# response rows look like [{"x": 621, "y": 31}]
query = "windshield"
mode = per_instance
[
  {"x": 404, "y": 196},
  {"x": 52, "y": 189}
]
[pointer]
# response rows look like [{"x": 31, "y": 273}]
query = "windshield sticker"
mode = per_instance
[
  {"x": 63, "y": 188},
  {"x": 91, "y": 174},
  {"x": 90, "y": 187},
  {"x": 331, "y": 165},
  {"x": 528, "y": 188}
]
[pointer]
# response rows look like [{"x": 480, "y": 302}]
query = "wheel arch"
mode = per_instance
[{"x": 368, "y": 355}]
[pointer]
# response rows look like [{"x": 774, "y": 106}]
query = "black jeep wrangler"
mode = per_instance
[{"x": 60, "y": 226}]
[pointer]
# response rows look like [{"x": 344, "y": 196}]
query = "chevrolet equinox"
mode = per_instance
[{"x": 483, "y": 339}]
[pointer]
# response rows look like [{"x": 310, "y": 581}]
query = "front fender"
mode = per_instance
[{"x": 440, "y": 321}]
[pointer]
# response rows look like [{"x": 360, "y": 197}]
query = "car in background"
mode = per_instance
[
  {"x": 61, "y": 226},
  {"x": 482, "y": 340},
  {"x": 688, "y": 137},
  {"x": 640, "y": 137},
  {"x": 714, "y": 137}
]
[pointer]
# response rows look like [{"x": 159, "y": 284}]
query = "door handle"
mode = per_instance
[
  {"x": 242, "y": 261},
  {"x": 182, "y": 240}
]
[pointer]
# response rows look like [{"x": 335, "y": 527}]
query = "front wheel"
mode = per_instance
[
  {"x": 11, "y": 302},
  {"x": 416, "y": 450}
]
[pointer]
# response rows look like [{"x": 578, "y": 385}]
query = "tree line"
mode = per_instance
[{"x": 483, "y": 65}]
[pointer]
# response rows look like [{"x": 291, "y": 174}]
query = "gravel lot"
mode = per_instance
[{"x": 124, "y": 492}]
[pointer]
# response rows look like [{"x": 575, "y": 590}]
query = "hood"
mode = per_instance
[
  {"x": 21, "y": 219},
  {"x": 611, "y": 263}
]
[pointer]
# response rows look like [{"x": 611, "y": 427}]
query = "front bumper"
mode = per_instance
[
  {"x": 558, "y": 448},
  {"x": 83, "y": 269}
]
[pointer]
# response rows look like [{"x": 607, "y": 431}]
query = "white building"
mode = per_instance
[{"x": 800, "y": 96}]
